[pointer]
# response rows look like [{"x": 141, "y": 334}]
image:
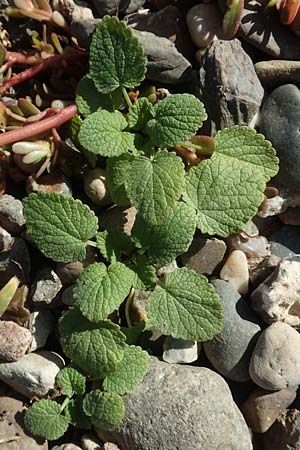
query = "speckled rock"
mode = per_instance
[
  {"x": 178, "y": 407},
  {"x": 263, "y": 407},
  {"x": 204, "y": 255},
  {"x": 11, "y": 214},
  {"x": 14, "y": 341},
  {"x": 235, "y": 270},
  {"x": 204, "y": 21},
  {"x": 230, "y": 352},
  {"x": 277, "y": 72},
  {"x": 285, "y": 433},
  {"x": 45, "y": 288},
  {"x": 179, "y": 351},
  {"x": 275, "y": 362}
]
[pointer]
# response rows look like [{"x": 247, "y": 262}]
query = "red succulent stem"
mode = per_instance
[
  {"x": 61, "y": 116},
  {"x": 22, "y": 58}
]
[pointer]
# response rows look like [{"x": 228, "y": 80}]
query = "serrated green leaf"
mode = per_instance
[
  {"x": 101, "y": 290},
  {"x": 106, "y": 409},
  {"x": 116, "y": 57},
  {"x": 113, "y": 244},
  {"x": 117, "y": 173},
  {"x": 139, "y": 114},
  {"x": 169, "y": 239},
  {"x": 186, "y": 307},
  {"x": 60, "y": 226},
  {"x": 247, "y": 146},
  {"x": 44, "y": 419},
  {"x": 102, "y": 133},
  {"x": 71, "y": 381},
  {"x": 130, "y": 371},
  {"x": 77, "y": 417},
  {"x": 97, "y": 349},
  {"x": 154, "y": 185},
  {"x": 176, "y": 118},
  {"x": 145, "y": 273},
  {"x": 75, "y": 124},
  {"x": 226, "y": 192}
]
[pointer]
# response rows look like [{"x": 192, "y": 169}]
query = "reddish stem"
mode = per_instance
[
  {"x": 22, "y": 58},
  {"x": 62, "y": 116}
]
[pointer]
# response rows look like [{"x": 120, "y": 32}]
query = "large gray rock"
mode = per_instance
[
  {"x": 230, "y": 352},
  {"x": 229, "y": 86},
  {"x": 275, "y": 362},
  {"x": 280, "y": 124},
  {"x": 179, "y": 407}
]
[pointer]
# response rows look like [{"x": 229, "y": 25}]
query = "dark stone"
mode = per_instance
[
  {"x": 204, "y": 255},
  {"x": 285, "y": 433},
  {"x": 286, "y": 241},
  {"x": 115, "y": 7}
]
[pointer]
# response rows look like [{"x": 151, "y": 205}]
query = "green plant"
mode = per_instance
[{"x": 219, "y": 196}]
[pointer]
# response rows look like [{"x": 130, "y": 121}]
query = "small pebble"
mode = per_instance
[
  {"x": 45, "y": 288},
  {"x": 42, "y": 323},
  {"x": 179, "y": 351},
  {"x": 90, "y": 442},
  {"x": 11, "y": 214},
  {"x": 203, "y": 22},
  {"x": 49, "y": 183},
  {"x": 14, "y": 341},
  {"x": 204, "y": 255},
  {"x": 68, "y": 446},
  {"x": 95, "y": 186},
  {"x": 235, "y": 270},
  {"x": 253, "y": 247},
  {"x": 6, "y": 240},
  {"x": 70, "y": 272}
]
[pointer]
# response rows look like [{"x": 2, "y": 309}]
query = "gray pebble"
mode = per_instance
[
  {"x": 11, "y": 214},
  {"x": 204, "y": 255},
  {"x": 14, "y": 341},
  {"x": 45, "y": 288}
]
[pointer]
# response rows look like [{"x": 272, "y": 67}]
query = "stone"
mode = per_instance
[
  {"x": 70, "y": 272},
  {"x": 265, "y": 32},
  {"x": 263, "y": 407},
  {"x": 204, "y": 22},
  {"x": 121, "y": 219},
  {"x": 229, "y": 87},
  {"x": 285, "y": 433},
  {"x": 34, "y": 374},
  {"x": 278, "y": 297},
  {"x": 41, "y": 324},
  {"x": 6, "y": 240},
  {"x": 253, "y": 247},
  {"x": 274, "y": 73},
  {"x": 261, "y": 268},
  {"x": 284, "y": 104},
  {"x": 280, "y": 203},
  {"x": 45, "y": 288},
  {"x": 83, "y": 30},
  {"x": 169, "y": 268},
  {"x": 235, "y": 270},
  {"x": 133, "y": 6},
  {"x": 288, "y": 238},
  {"x": 291, "y": 216},
  {"x": 275, "y": 361},
  {"x": 90, "y": 442},
  {"x": 68, "y": 446},
  {"x": 114, "y": 7},
  {"x": 230, "y": 352},
  {"x": 137, "y": 306},
  {"x": 67, "y": 296},
  {"x": 110, "y": 446},
  {"x": 12, "y": 430},
  {"x": 204, "y": 255},
  {"x": 95, "y": 186},
  {"x": 14, "y": 341},
  {"x": 178, "y": 407},
  {"x": 179, "y": 351},
  {"x": 73, "y": 11},
  {"x": 15, "y": 261},
  {"x": 11, "y": 215},
  {"x": 54, "y": 182}
]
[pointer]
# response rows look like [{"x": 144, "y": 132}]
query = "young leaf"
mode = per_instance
[
  {"x": 70, "y": 381},
  {"x": 169, "y": 239},
  {"x": 176, "y": 118},
  {"x": 102, "y": 133},
  {"x": 44, "y": 419},
  {"x": 117, "y": 170},
  {"x": 7, "y": 293},
  {"x": 59, "y": 226},
  {"x": 101, "y": 290},
  {"x": 96, "y": 349},
  {"x": 77, "y": 417},
  {"x": 139, "y": 114},
  {"x": 186, "y": 307},
  {"x": 89, "y": 99},
  {"x": 113, "y": 243},
  {"x": 116, "y": 57},
  {"x": 232, "y": 18},
  {"x": 154, "y": 185},
  {"x": 130, "y": 371},
  {"x": 106, "y": 409}
]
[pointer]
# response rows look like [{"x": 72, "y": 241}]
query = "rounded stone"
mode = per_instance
[
  {"x": 284, "y": 433},
  {"x": 203, "y": 22},
  {"x": 280, "y": 124},
  {"x": 235, "y": 270},
  {"x": 14, "y": 341},
  {"x": 230, "y": 352},
  {"x": 95, "y": 186},
  {"x": 179, "y": 407},
  {"x": 275, "y": 362}
]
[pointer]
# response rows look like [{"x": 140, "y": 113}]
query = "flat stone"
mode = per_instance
[
  {"x": 204, "y": 22},
  {"x": 230, "y": 352},
  {"x": 229, "y": 87},
  {"x": 11, "y": 214},
  {"x": 265, "y": 32},
  {"x": 15, "y": 261},
  {"x": 285, "y": 433},
  {"x": 45, "y": 288},
  {"x": 179, "y": 351},
  {"x": 278, "y": 297},
  {"x": 235, "y": 270},
  {"x": 178, "y": 407},
  {"x": 283, "y": 105},
  {"x": 70, "y": 272},
  {"x": 34, "y": 374},
  {"x": 263, "y": 407},
  {"x": 274, "y": 73},
  {"x": 204, "y": 255},
  {"x": 42, "y": 323},
  {"x": 54, "y": 182},
  {"x": 14, "y": 341},
  {"x": 275, "y": 362}
]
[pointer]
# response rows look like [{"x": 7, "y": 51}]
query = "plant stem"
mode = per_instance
[
  {"x": 127, "y": 305},
  {"x": 126, "y": 96},
  {"x": 62, "y": 116},
  {"x": 64, "y": 404},
  {"x": 201, "y": 150},
  {"x": 91, "y": 243}
]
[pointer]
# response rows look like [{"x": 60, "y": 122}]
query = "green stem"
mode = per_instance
[
  {"x": 127, "y": 305},
  {"x": 126, "y": 96},
  {"x": 64, "y": 404},
  {"x": 91, "y": 243},
  {"x": 201, "y": 150}
]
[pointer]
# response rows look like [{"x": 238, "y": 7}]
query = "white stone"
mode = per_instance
[
  {"x": 6, "y": 240},
  {"x": 276, "y": 205},
  {"x": 236, "y": 272},
  {"x": 90, "y": 442},
  {"x": 42, "y": 323},
  {"x": 203, "y": 22},
  {"x": 180, "y": 351},
  {"x": 34, "y": 374},
  {"x": 95, "y": 186}
]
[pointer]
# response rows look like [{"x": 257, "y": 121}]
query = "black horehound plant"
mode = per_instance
[{"x": 219, "y": 196}]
